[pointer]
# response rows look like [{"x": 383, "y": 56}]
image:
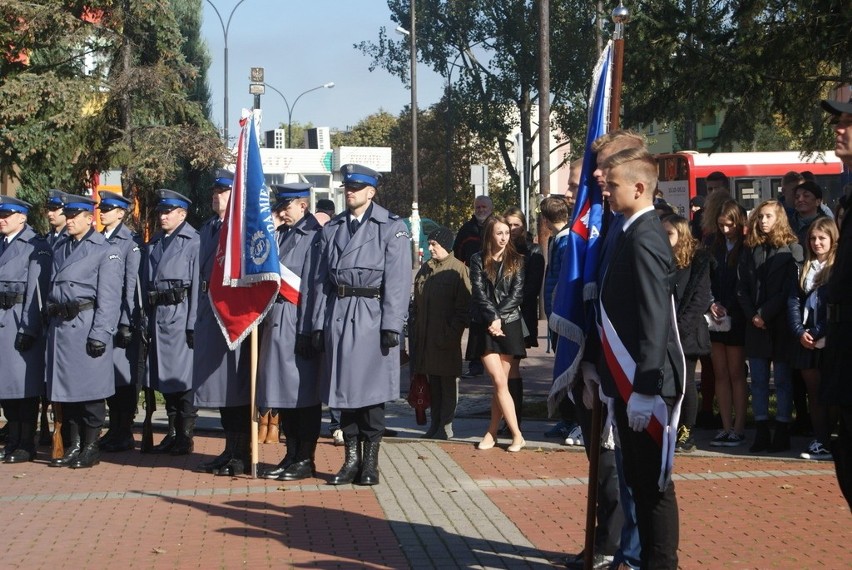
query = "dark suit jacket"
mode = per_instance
[{"x": 637, "y": 295}]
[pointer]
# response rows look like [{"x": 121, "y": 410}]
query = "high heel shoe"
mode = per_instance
[
  {"x": 516, "y": 446},
  {"x": 487, "y": 443}
]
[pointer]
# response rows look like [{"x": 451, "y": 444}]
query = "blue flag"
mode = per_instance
[{"x": 577, "y": 284}]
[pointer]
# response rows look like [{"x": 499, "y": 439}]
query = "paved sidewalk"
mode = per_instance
[{"x": 439, "y": 505}]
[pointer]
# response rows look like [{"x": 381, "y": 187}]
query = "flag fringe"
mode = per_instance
[
  {"x": 563, "y": 383},
  {"x": 232, "y": 345}
]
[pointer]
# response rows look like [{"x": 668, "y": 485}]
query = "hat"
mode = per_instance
[
  {"x": 811, "y": 187},
  {"x": 110, "y": 200},
  {"x": 698, "y": 201},
  {"x": 224, "y": 180},
  {"x": 76, "y": 204},
  {"x": 357, "y": 176},
  {"x": 168, "y": 200},
  {"x": 13, "y": 205},
  {"x": 55, "y": 199},
  {"x": 325, "y": 205},
  {"x": 285, "y": 193},
  {"x": 444, "y": 237},
  {"x": 836, "y": 107}
]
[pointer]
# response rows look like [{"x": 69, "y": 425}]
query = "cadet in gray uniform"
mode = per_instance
[
  {"x": 171, "y": 285},
  {"x": 55, "y": 217},
  {"x": 83, "y": 306},
  {"x": 24, "y": 269},
  {"x": 220, "y": 376},
  {"x": 125, "y": 351},
  {"x": 363, "y": 284},
  {"x": 288, "y": 372}
]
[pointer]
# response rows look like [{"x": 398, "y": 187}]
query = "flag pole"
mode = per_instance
[
  {"x": 253, "y": 399},
  {"x": 620, "y": 16}
]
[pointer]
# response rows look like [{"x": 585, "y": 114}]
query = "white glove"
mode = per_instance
[
  {"x": 589, "y": 388},
  {"x": 591, "y": 382},
  {"x": 639, "y": 410},
  {"x": 589, "y": 372}
]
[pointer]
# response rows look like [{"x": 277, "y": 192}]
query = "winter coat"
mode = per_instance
[
  {"x": 358, "y": 371},
  {"x": 24, "y": 274},
  {"x": 126, "y": 359},
  {"x": 533, "y": 278},
  {"x": 285, "y": 379},
  {"x": 468, "y": 240},
  {"x": 692, "y": 297},
  {"x": 92, "y": 273},
  {"x": 441, "y": 313},
  {"x": 765, "y": 279}
]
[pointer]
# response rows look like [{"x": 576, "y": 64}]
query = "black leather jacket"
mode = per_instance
[{"x": 491, "y": 301}]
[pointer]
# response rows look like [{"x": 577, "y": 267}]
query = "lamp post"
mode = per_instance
[
  {"x": 225, "y": 28},
  {"x": 415, "y": 213},
  {"x": 290, "y": 108}
]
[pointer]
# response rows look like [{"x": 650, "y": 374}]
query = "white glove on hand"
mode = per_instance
[
  {"x": 591, "y": 382},
  {"x": 639, "y": 410},
  {"x": 589, "y": 388}
]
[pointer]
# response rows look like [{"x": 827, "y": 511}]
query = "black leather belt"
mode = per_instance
[
  {"x": 9, "y": 299},
  {"x": 346, "y": 291},
  {"x": 69, "y": 310},
  {"x": 839, "y": 313},
  {"x": 171, "y": 296}
]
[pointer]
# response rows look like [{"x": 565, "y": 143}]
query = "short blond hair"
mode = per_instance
[{"x": 641, "y": 165}]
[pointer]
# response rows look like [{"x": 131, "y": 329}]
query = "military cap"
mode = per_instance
[
  {"x": 357, "y": 176},
  {"x": 169, "y": 200},
  {"x": 76, "y": 204},
  {"x": 55, "y": 199},
  {"x": 13, "y": 205},
  {"x": 110, "y": 200},
  {"x": 836, "y": 107},
  {"x": 224, "y": 180},
  {"x": 285, "y": 193}
]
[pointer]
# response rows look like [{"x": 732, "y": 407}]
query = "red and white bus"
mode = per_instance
[{"x": 754, "y": 176}]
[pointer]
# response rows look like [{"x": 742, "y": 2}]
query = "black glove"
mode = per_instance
[
  {"x": 95, "y": 348},
  {"x": 318, "y": 341},
  {"x": 24, "y": 342},
  {"x": 123, "y": 336},
  {"x": 190, "y": 339},
  {"x": 304, "y": 346},
  {"x": 390, "y": 339}
]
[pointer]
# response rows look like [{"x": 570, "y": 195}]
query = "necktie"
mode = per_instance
[
  {"x": 353, "y": 226},
  {"x": 217, "y": 225}
]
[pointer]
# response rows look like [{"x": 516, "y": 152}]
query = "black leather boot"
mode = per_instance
[
  {"x": 13, "y": 439},
  {"x": 352, "y": 461},
  {"x": 370, "y": 467},
  {"x": 781, "y": 438},
  {"x": 122, "y": 439},
  {"x": 90, "y": 455},
  {"x": 26, "y": 450},
  {"x": 293, "y": 451},
  {"x": 72, "y": 447},
  {"x": 303, "y": 467},
  {"x": 763, "y": 437},
  {"x": 184, "y": 440},
  {"x": 220, "y": 460},
  {"x": 168, "y": 442},
  {"x": 240, "y": 461}
]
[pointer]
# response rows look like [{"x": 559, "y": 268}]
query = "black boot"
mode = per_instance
[
  {"x": 184, "y": 440},
  {"x": 240, "y": 461},
  {"x": 90, "y": 455},
  {"x": 516, "y": 390},
  {"x": 352, "y": 461},
  {"x": 293, "y": 451},
  {"x": 370, "y": 468},
  {"x": 220, "y": 460},
  {"x": 763, "y": 437},
  {"x": 781, "y": 439},
  {"x": 303, "y": 467},
  {"x": 72, "y": 447},
  {"x": 13, "y": 439},
  {"x": 122, "y": 435},
  {"x": 26, "y": 450},
  {"x": 4, "y": 431},
  {"x": 168, "y": 442}
]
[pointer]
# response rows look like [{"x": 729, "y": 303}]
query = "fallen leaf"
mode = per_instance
[{"x": 158, "y": 550}]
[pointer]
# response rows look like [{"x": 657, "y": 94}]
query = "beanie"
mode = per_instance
[{"x": 444, "y": 237}]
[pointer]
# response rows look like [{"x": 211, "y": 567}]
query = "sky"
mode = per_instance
[{"x": 302, "y": 44}]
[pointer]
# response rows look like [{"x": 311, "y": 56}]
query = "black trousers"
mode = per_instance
[
  {"x": 21, "y": 409},
  {"x": 125, "y": 400},
  {"x": 236, "y": 419},
  {"x": 656, "y": 511},
  {"x": 88, "y": 416},
  {"x": 841, "y": 450},
  {"x": 302, "y": 424},
  {"x": 180, "y": 404},
  {"x": 609, "y": 514},
  {"x": 368, "y": 423}
]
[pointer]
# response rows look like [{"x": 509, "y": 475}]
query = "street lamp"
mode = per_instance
[
  {"x": 415, "y": 213},
  {"x": 225, "y": 28},
  {"x": 290, "y": 108}
]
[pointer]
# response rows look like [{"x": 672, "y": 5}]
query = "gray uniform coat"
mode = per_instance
[
  {"x": 358, "y": 371},
  {"x": 92, "y": 271},
  {"x": 220, "y": 376},
  {"x": 285, "y": 380},
  {"x": 125, "y": 359},
  {"x": 169, "y": 357},
  {"x": 24, "y": 271}
]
